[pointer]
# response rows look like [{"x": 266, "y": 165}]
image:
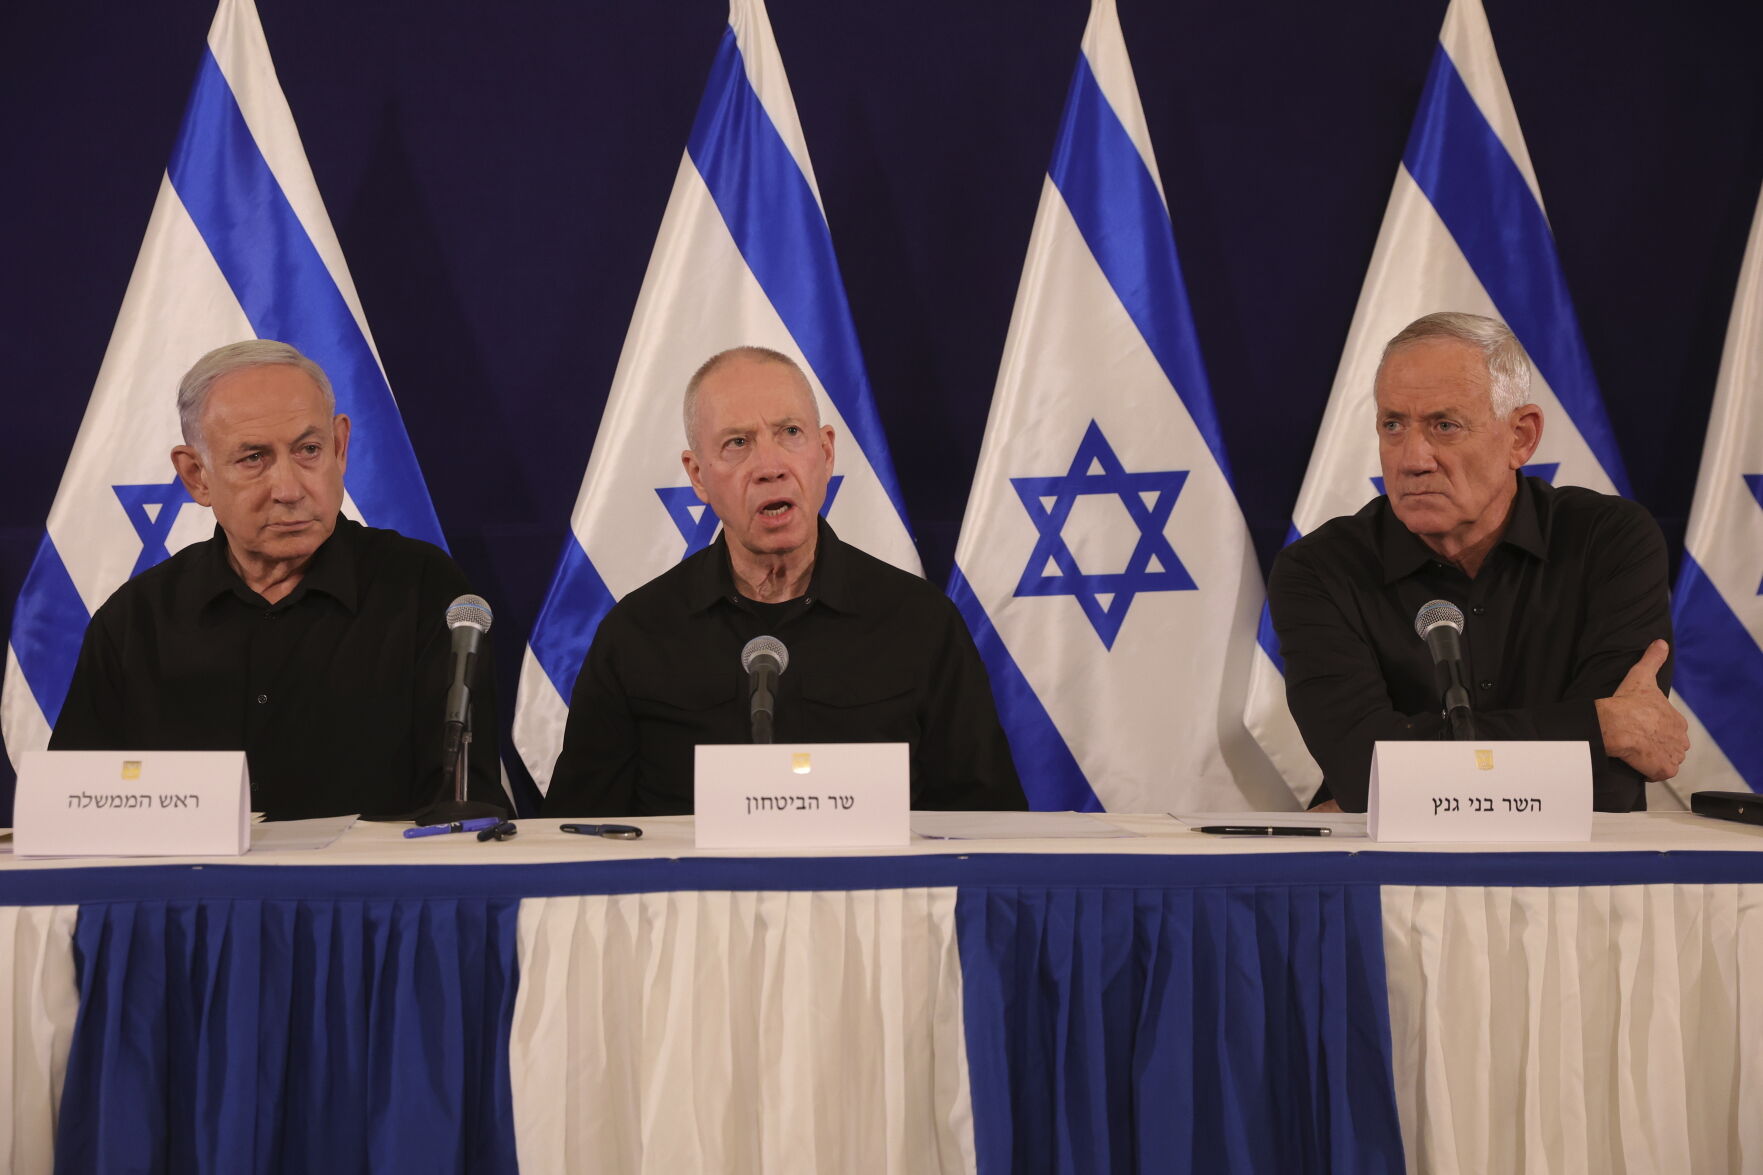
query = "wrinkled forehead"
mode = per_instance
[
  {"x": 268, "y": 398},
  {"x": 1431, "y": 375},
  {"x": 749, "y": 390}
]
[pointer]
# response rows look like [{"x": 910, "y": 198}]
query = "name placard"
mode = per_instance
[
  {"x": 132, "y": 804},
  {"x": 1488, "y": 792},
  {"x": 784, "y": 796}
]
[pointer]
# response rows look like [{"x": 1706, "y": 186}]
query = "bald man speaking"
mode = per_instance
[{"x": 875, "y": 654}]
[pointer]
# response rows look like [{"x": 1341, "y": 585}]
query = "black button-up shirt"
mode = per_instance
[
  {"x": 876, "y": 655},
  {"x": 1566, "y": 603},
  {"x": 334, "y": 693}
]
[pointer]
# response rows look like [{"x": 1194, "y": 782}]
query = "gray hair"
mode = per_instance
[
  {"x": 756, "y": 354},
  {"x": 1508, "y": 367},
  {"x": 235, "y": 357}
]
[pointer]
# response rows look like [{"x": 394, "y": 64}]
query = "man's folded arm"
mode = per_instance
[{"x": 1334, "y": 684}]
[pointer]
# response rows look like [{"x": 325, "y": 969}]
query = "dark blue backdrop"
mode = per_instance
[{"x": 496, "y": 174}]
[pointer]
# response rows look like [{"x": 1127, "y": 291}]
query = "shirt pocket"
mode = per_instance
[
  {"x": 859, "y": 705},
  {"x": 682, "y": 694}
]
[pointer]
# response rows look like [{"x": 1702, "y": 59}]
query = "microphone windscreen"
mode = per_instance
[
  {"x": 765, "y": 644},
  {"x": 469, "y": 612},
  {"x": 1436, "y": 612}
]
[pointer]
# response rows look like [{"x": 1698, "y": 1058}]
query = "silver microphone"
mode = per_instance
[
  {"x": 469, "y": 618},
  {"x": 1440, "y": 624},
  {"x": 764, "y": 658}
]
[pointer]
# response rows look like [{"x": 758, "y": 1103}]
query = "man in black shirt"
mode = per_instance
[
  {"x": 1564, "y": 591},
  {"x": 316, "y": 645},
  {"x": 876, "y": 654}
]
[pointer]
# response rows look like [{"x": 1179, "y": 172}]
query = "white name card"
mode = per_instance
[
  {"x": 132, "y": 804},
  {"x": 816, "y": 795},
  {"x": 1487, "y": 792}
]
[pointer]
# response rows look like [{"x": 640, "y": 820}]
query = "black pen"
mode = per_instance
[
  {"x": 607, "y": 831},
  {"x": 1264, "y": 830}
]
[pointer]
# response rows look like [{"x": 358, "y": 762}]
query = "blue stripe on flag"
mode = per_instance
[
  {"x": 1470, "y": 179},
  {"x": 1051, "y": 777},
  {"x": 577, "y": 601},
  {"x": 1265, "y": 635},
  {"x": 1118, "y": 209},
  {"x": 47, "y": 627},
  {"x": 778, "y": 225},
  {"x": 288, "y": 294},
  {"x": 1269, "y": 639},
  {"x": 1718, "y": 669}
]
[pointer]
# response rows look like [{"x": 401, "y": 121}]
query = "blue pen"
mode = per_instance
[{"x": 456, "y": 826}]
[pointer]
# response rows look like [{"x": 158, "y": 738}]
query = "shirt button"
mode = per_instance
[
  {"x": 1478, "y": 610},
  {"x": 1484, "y": 685},
  {"x": 262, "y": 698}
]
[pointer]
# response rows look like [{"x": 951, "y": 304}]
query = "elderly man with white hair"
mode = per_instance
[
  {"x": 314, "y": 644},
  {"x": 1564, "y": 590}
]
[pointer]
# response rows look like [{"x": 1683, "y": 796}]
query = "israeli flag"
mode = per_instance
[
  {"x": 1717, "y": 610},
  {"x": 1104, "y": 566},
  {"x": 238, "y": 246},
  {"x": 1465, "y": 230},
  {"x": 743, "y": 257}
]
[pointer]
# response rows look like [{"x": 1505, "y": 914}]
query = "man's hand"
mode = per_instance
[{"x": 1638, "y": 722}]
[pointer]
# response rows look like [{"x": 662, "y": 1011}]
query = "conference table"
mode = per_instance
[{"x": 1158, "y": 1000}]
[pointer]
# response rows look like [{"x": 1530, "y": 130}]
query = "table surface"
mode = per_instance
[{"x": 671, "y": 838}]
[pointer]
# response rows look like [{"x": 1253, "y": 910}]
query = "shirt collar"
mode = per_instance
[
  {"x": 1402, "y": 552},
  {"x": 830, "y": 582},
  {"x": 333, "y": 571}
]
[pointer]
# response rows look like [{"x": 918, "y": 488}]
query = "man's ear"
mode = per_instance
[
  {"x": 340, "y": 438},
  {"x": 1527, "y": 434},
  {"x": 193, "y": 472},
  {"x": 689, "y": 459}
]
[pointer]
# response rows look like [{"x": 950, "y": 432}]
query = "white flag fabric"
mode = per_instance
[
  {"x": 1717, "y": 610},
  {"x": 238, "y": 246},
  {"x": 743, "y": 257},
  {"x": 1465, "y": 230},
  {"x": 1104, "y": 566}
]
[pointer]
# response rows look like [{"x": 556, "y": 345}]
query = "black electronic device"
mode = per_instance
[{"x": 1746, "y": 807}]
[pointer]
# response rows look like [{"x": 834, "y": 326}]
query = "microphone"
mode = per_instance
[
  {"x": 1440, "y": 625},
  {"x": 469, "y": 618},
  {"x": 764, "y": 658}
]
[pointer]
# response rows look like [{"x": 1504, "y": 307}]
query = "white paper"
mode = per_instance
[
  {"x": 132, "y": 804},
  {"x": 1480, "y": 792},
  {"x": 1013, "y": 826},
  {"x": 283, "y": 836},
  {"x": 803, "y": 795}
]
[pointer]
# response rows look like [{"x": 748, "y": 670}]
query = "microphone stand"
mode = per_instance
[
  {"x": 1457, "y": 713},
  {"x": 458, "y": 771},
  {"x": 1449, "y": 676}
]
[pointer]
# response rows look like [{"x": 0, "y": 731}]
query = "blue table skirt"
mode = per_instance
[{"x": 1122, "y": 1012}]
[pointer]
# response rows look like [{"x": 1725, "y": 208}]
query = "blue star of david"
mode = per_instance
[
  {"x": 1148, "y": 498},
  {"x": 1755, "y": 482},
  {"x": 152, "y": 527},
  {"x": 1543, "y": 469},
  {"x": 697, "y": 522}
]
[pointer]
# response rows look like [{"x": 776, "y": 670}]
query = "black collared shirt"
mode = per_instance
[
  {"x": 336, "y": 693},
  {"x": 876, "y": 655},
  {"x": 1565, "y": 604}
]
